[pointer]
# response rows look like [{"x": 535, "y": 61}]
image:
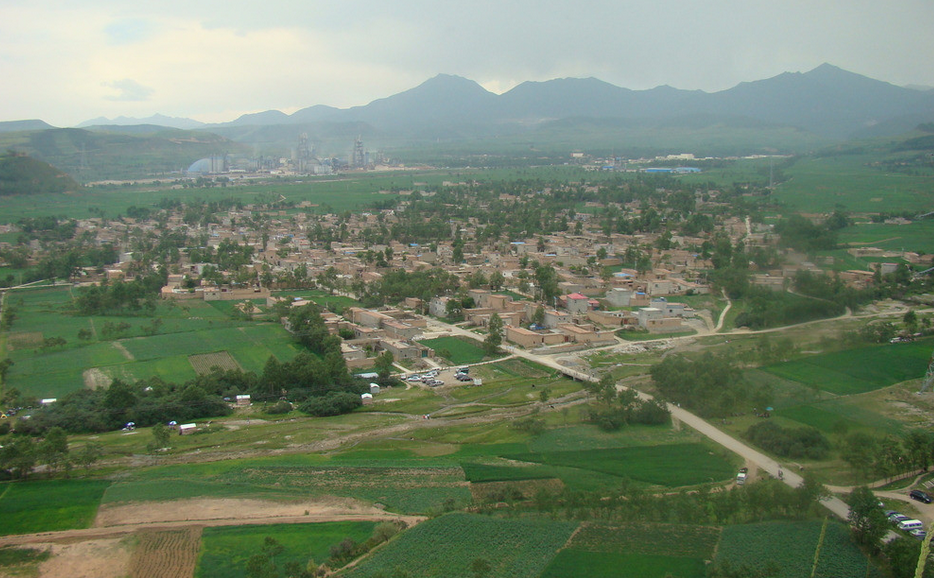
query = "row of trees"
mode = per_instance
[{"x": 19, "y": 455}]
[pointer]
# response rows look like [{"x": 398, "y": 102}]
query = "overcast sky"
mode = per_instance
[{"x": 67, "y": 61}]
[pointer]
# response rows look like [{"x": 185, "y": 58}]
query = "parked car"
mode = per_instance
[
  {"x": 918, "y": 533},
  {"x": 920, "y": 496},
  {"x": 896, "y": 518},
  {"x": 463, "y": 377}
]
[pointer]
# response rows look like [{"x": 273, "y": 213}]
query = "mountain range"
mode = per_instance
[
  {"x": 826, "y": 101},
  {"x": 451, "y": 115}
]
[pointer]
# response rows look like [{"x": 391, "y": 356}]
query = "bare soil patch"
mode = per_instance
[
  {"x": 195, "y": 509},
  {"x": 205, "y": 362},
  {"x": 493, "y": 491},
  {"x": 123, "y": 350},
  {"x": 24, "y": 339},
  {"x": 95, "y": 378},
  {"x": 166, "y": 553},
  {"x": 100, "y": 558}
]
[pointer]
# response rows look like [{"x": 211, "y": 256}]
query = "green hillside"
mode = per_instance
[
  {"x": 116, "y": 154},
  {"x": 24, "y": 175}
]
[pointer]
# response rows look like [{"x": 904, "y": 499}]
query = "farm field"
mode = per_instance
[
  {"x": 858, "y": 370},
  {"x": 461, "y": 350},
  {"x": 48, "y": 505},
  {"x": 226, "y": 550},
  {"x": 447, "y": 546},
  {"x": 648, "y": 465},
  {"x": 636, "y": 550},
  {"x": 161, "y": 553},
  {"x": 917, "y": 236},
  {"x": 128, "y": 347},
  {"x": 818, "y": 184},
  {"x": 791, "y": 546}
]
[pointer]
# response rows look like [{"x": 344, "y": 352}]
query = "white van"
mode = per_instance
[{"x": 910, "y": 525}]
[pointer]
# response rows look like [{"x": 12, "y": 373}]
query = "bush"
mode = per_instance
[
  {"x": 333, "y": 403},
  {"x": 279, "y": 408},
  {"x": 804, "y": 442}
]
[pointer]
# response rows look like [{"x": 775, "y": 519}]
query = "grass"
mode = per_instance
[
  {"x": 858, "y": 370},
  {"x": 49, "y": 505},
  {"x": 225, "y": 550},
  {"x": 462, "y": 350},
  {"x": 449, "y": 545}
]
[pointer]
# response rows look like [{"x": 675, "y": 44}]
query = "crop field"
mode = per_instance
[
  {"x": 649, "y": 465},
  {"x": 791, "y": 546},
  {"x": 819, "y": 184},
  {"x": 166, "y": 553},
  {"x": 206, "y": 362},
  {"x": 832, "y": 416},
  {"x": 572, "y": 563},
  {"x": 462, "y": 350},
  {"x": 636, "y": 550},
  {"x": 404, "y": 486},
  {"x": 49, "y": 505},
  {"x": 917, "y": 236},
  {"x": 225, "y": 550},
  {"x": 859, "y": 370},
  {"x": 447, "y": 546}
]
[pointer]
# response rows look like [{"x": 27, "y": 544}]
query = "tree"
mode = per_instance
[
  {"x": 495, "y": 336},
  {"x": 496, "y": 281},
  {"x": 5, "y": 366},
  {"x": 538, "y": 316},
  {"x": 910, "y": 319},
  {"x": 866, "y": 518},
  {"x": 384, "y": 365},
  {"x": 18, "y": 457},
  {"x": 53, "y": 450},
  {"x": 160, "y": 437},
  {"x": 89, "y": 455}
]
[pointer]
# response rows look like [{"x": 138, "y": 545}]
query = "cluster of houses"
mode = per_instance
[{"x": 597, "y": 296}]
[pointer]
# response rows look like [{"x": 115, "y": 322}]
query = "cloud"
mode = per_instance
[
  {"x": 128, "y": 31},
  {"x": 128, "y": 91}
]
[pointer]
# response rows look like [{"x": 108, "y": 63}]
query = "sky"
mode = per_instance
[{"x": 66, "y": 62}]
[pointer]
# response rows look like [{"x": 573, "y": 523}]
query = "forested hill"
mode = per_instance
[{"x": 24, "y": 175}]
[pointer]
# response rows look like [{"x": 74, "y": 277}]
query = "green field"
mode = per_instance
[
  {"x": 225, "y": 550},
  {"x": 137, "y": 352},
  {"x": 573, "y": 563},
  {"x": 447, "y": 546},
  {"x": 819, "y": 184},
  {"x": 791, "y": 546},
  {"x": 404, "y": 486},
  {"x": 917, "y": 236},
  {"x": 462, "y": 350},
  {"x": 858, "y": 370},
  {"x": 49, "y": 505},
  {"x": 833, "y": 416},
  {"x": 650, "y": 465}
]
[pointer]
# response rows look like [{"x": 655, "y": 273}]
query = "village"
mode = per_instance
[{"x": 593, "y": 297}]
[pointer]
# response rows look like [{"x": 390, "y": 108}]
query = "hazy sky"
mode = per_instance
[{"x": 67, "y": 61}]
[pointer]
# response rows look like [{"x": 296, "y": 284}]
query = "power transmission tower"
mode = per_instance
[{"x": 929, "y": 377}]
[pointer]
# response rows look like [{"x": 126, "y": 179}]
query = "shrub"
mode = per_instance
[
  {"x": 279, "y": 408},
  {"x": 333, "y": 403},
  {"x": 806, "y": 442}
]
